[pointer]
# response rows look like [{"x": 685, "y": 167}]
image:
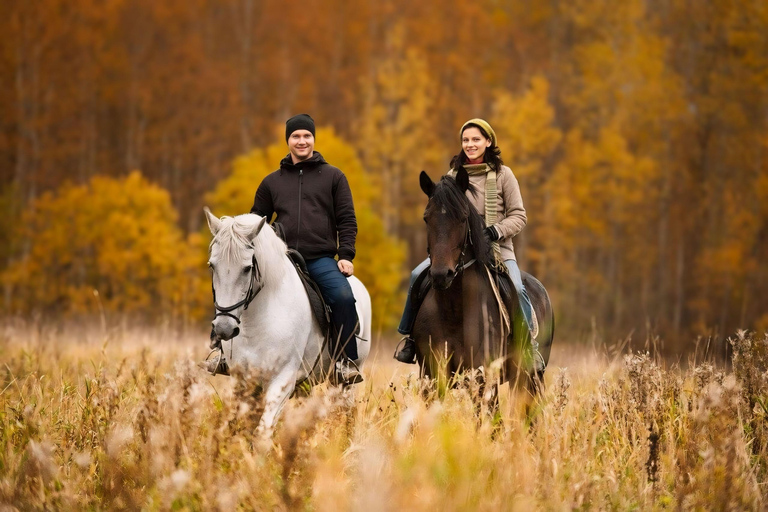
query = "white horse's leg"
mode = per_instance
[{"x": 278, "y": 392}]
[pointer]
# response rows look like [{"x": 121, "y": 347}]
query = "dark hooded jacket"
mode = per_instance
[{"x": 313, "y": 203}]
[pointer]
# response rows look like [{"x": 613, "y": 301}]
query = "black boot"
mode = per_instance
[{"x": 408, "y": 353}]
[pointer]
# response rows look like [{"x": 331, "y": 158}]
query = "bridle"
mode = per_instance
[
  {"x": 249, "y": 296},
  {"x": 460, "y": 265}
]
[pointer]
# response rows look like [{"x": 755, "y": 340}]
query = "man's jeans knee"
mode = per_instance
[{"x": 338, "y": 294}]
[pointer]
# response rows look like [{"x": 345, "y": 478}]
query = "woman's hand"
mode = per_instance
[
  {"x": 346, "y": 267},
  {"x": 491, "y": 233}
]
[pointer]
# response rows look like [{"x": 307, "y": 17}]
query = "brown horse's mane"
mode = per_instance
[{"x": 449, "y": 197}]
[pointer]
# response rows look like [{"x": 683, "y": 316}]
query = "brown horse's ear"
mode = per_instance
[
  {"x": 462, "y": 179},
  {"x": 427, "y": 185}
]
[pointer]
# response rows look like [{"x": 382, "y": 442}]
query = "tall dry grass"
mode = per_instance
[{"x": 133, "y": 424}]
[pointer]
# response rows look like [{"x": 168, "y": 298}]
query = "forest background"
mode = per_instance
[{"x": 637, "y": 129}]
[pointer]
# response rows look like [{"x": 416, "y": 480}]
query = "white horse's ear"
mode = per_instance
[
  {"x": 213, "y": 222},
  {"x": 253, "y": 234}
]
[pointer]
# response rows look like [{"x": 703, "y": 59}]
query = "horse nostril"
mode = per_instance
[
  {"x": 450, "y": 274},
  {"x": 236, "y": 332}
]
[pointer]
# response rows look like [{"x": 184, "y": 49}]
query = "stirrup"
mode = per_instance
[
  {"x": 347, "y": 372},
  {"x": 217, "y": 366}
]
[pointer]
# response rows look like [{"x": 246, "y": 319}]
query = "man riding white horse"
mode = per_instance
[{"x": 313, "y": 203}]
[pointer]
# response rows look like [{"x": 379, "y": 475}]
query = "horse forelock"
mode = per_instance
[
  {"x": 234, "y": 245},
  {"x": 448, "y": 198}
]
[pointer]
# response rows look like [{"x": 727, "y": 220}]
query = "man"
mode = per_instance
[{"x": 313, "y": 202}]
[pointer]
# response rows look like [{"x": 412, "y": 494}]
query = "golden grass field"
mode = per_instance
[{"x": 127, "y": 421}]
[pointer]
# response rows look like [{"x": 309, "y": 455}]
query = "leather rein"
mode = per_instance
[{"x": 461, "y": 266}]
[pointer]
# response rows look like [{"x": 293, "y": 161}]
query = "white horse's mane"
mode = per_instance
[{"x": 233, "y": 242}]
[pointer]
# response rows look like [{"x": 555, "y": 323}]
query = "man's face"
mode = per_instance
[{"x": 301, "y": 143}]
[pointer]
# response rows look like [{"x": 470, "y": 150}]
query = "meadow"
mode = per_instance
[{"x": 124, "y": 419}]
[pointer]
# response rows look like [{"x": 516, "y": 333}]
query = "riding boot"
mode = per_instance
[{"x": 407, "y": 354}]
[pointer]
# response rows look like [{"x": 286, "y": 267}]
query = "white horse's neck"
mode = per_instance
[{"x": 274, "y": 263}]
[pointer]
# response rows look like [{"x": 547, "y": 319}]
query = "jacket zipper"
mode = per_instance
[{"x": 298, "y": 228}]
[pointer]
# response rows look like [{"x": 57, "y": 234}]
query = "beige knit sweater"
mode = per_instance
[{"x": 510, "y": 216}]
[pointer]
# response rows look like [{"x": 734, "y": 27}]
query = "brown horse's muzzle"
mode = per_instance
[{"x": 442, "y": 277}]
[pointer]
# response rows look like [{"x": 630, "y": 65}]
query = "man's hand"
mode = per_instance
[{"x": 346, "y": 267}]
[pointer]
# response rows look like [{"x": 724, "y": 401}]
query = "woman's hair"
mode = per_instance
[{"x": 492, "y": 154}]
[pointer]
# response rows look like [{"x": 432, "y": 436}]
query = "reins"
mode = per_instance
[
  {"x": 461, "y": 266},
  {"x": 249, "y": 297}
]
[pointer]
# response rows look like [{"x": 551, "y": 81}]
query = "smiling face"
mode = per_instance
[
  {"x": 474, "y": 144},
  {"x": 301, "y": 144}
]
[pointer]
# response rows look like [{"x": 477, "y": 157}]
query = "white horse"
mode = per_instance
[{"x": 272, "y": 329}]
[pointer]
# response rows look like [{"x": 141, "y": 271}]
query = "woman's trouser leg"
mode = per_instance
[
  {"x": 522, "y": 295},
  {"x": 409, "y": 316}
]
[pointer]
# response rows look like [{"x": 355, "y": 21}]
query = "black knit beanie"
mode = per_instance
[{"x": 299, "y": 122}]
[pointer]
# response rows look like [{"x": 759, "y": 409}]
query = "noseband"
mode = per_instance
[{"x": 249, "y": 296}]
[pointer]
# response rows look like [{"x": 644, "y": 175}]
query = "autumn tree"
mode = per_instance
[
  {"x": 111, "y": 243},
  {"x": 528, "y": 139}
]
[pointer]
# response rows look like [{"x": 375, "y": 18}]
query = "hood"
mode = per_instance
[{"x": 314, "y": 161}]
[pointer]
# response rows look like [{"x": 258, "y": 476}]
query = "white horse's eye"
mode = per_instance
[{"x": 246, "y": 270}]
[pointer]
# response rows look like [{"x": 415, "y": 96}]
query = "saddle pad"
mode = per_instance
[
  {"x": 316, "y": 302},
  {"x": 320, "y": 309},
  {"x": 508, "y": 295}
]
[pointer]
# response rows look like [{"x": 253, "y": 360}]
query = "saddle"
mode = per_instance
[
  {"x": 500, "y": 279},
  {"x": 320, "y": 310}
]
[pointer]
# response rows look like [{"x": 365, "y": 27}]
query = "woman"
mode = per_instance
[{"x": 497, "y": 198}]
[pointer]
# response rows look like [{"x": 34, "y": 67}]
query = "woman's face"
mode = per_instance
[{"x": 474, "y": 144}]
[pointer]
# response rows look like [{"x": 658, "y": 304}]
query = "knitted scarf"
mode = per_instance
[{"x": 491, "y": 196}]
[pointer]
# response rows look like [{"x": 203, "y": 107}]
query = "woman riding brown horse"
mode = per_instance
[{"x": 460, "y": 316}]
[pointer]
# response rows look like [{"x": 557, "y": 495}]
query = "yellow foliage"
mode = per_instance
[
  {"x": 112, "y": 243},
  {"x": 525, "y": 128},
  {"x": 379, "y": 260},
  {"x": 397, "y": 133}
]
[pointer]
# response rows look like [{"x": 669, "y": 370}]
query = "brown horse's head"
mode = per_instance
[{"x": 454, "y": 228}]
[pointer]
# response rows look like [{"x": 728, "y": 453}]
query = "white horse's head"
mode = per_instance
[{"x": 235, "y": 273}]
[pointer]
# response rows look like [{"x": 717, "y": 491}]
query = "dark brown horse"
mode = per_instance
[{"x": 460, "y": 323}]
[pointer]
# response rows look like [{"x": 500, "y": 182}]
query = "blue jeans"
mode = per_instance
[
  {"x": 337, "y": 293},
  {"x": 406, "y": 322},
  {"x": 522, "y": 295}
]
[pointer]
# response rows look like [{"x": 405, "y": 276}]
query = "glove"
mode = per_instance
[{"x": 492, "y": 233}]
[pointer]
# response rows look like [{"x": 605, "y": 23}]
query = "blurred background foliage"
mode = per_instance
[{"x": 637, "y": 129}]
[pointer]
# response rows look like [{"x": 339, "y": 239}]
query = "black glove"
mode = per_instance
[{"x": 492, "y": 233}]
